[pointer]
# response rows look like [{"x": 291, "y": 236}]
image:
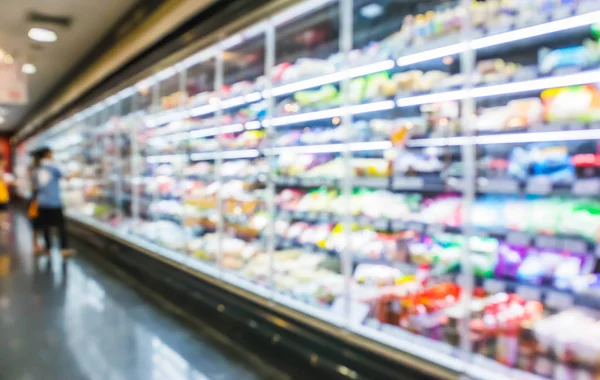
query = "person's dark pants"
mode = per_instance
[{"x": 52, "y": 217}]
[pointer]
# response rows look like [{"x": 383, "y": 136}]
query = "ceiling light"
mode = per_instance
[
  {"x": 8, "y": 59},
  {"x": 42, "y": 35},
  {"x": 371, "y": 11},
  {"x": 29, "y": 68},
  {"x": 2, "y": 119}
]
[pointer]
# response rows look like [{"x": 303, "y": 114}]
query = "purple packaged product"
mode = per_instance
[{"x": 510, "y": 258}]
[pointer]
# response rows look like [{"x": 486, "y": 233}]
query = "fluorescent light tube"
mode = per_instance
[
  {"x": 503, "y": 89},
  {"x": 508, "y": 138},
  {"x": 329, "y": 78},
  {"x": 529, "y": 137},
  {"x": 502, "y": 38},
  {"x": 231, "y": 154},
  {"x": 202, "y": 110},
  {"x": 165, "y": 158},
  {"x": 255, "y": 124},
  {"x": 332, "y": 148},
  {"x": 333, "y": 112},
  {"x": 431, "y": 98}
]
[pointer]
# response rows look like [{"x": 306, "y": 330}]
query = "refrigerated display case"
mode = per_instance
[{"x": 421, "y": 174}]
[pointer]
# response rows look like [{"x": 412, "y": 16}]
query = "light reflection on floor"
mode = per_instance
[{"x": 74, "y": 321}]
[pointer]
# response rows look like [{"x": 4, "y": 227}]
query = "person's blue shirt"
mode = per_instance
[{"x": 47, "y": 181}]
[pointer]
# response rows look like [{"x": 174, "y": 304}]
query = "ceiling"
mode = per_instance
[{"x": 90, "y": 21}]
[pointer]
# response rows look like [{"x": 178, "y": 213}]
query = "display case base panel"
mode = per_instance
[{"x": 254, "y": 321}]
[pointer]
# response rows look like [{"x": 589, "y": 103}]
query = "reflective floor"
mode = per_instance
[{"x": 75, "y": 321}]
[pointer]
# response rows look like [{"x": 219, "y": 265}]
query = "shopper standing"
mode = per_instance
[
  {"x": 33, "y": 208},
  {"x": 50, "y": 213},
  {"x": 5, "y": 182}
]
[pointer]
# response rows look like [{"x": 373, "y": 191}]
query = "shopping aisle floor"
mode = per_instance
[{"x": 76, "y": 321}]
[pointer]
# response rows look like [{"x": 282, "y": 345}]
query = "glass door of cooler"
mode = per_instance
[
  {"x": 310, "y": 213},
  {"x": 69, "y": 155},
  {"x": 421, "y": 173},
  {"x": 200, "y": 176},
  {"x": 536, "y": 181},
  {"x": 120, "y": 125},
  {"x": 406, "y": 249},
  {"x": 241, "y": 168},
  {"x": 161, "y": 163}
]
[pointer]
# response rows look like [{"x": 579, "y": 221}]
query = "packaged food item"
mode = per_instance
[
  {"x": 579, "y": 56},
  {"x": 576, "y": 103}
]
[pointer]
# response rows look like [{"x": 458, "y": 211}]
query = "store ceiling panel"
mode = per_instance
[{"x": 79, "y": 25}]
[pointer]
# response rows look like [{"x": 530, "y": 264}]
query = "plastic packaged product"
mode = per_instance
[
  {"x": 378, "y": 275},
  {"x": 293, "y": 164},
  {"x": 567, "y": 271},
  {"x": 572, "y": 336},
  {"x": 581, "y": 218},
  {"x": 316, "y": 235},
  {"x": 323, "y": 97},
  {"x": 316, "y": 200},
  {"x": 496, "y": 70},
  {"x": 576, "y": 103},
  {"x": 200, "y": 168},
  {"x": 578, "y": 56},
  {"x": 376, "y": 86},
  {"x": 442, "y": 210},
  {"x": 487, "y": 213},
  {"x": 544, "y": 215},
  {"x": 509, "y": 260},
  {"x": 288, "y": 199}
]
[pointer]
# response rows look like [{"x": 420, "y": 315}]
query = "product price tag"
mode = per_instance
[
  {"x": 547, "y": 242},
  {"x": 330, "y": 182},
  {"x": 284, "y": 214},
  {"x": 491, "y": 365},
  {"x": 362, "y": 220},
  {"x": 311, "y": 248},
  {"x": 529, "y": 292},
  {"x": 522, "y": 375},
  {"x": 494, "y": 286},
  {"x": 358, "y": 310},
  {"x": 481, "y": 234},
  {"x": 373, "y": 323},
  {"x": 574, "y": 245},
  {"x": 435, "y": 229},
  {"x": 299, "y": 214},
  {"x": 415, "y": 226},
  {"x": 325, "y": 217},
  {"x": 403, "y": 94},
  {"x": 575, "y": 125},
  {"x": 586, "y": 186},
  {"x": 500, "y": 28},
  {"x": 381, "y": 224},
  {"x": 550, "y": 127},
  {"x": 566, "y": 70},
  {"x": 395, "y": 331},
  {"x": 398, "y": 225},
  {"x": 559, "y": 300},
  {"x": 526, "y": 73},
  {"x": 540, "y": 185},
  {"x": 310, "y": 182},
  {"x": 408, "y": 183},
  {"x": 498, "y": 185},
  {"x": 379, "y": 183},
  {"x": 518, "y": 238},
  {"x": 311, "y": 216},
  {"x": 559, "y": 13}
]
